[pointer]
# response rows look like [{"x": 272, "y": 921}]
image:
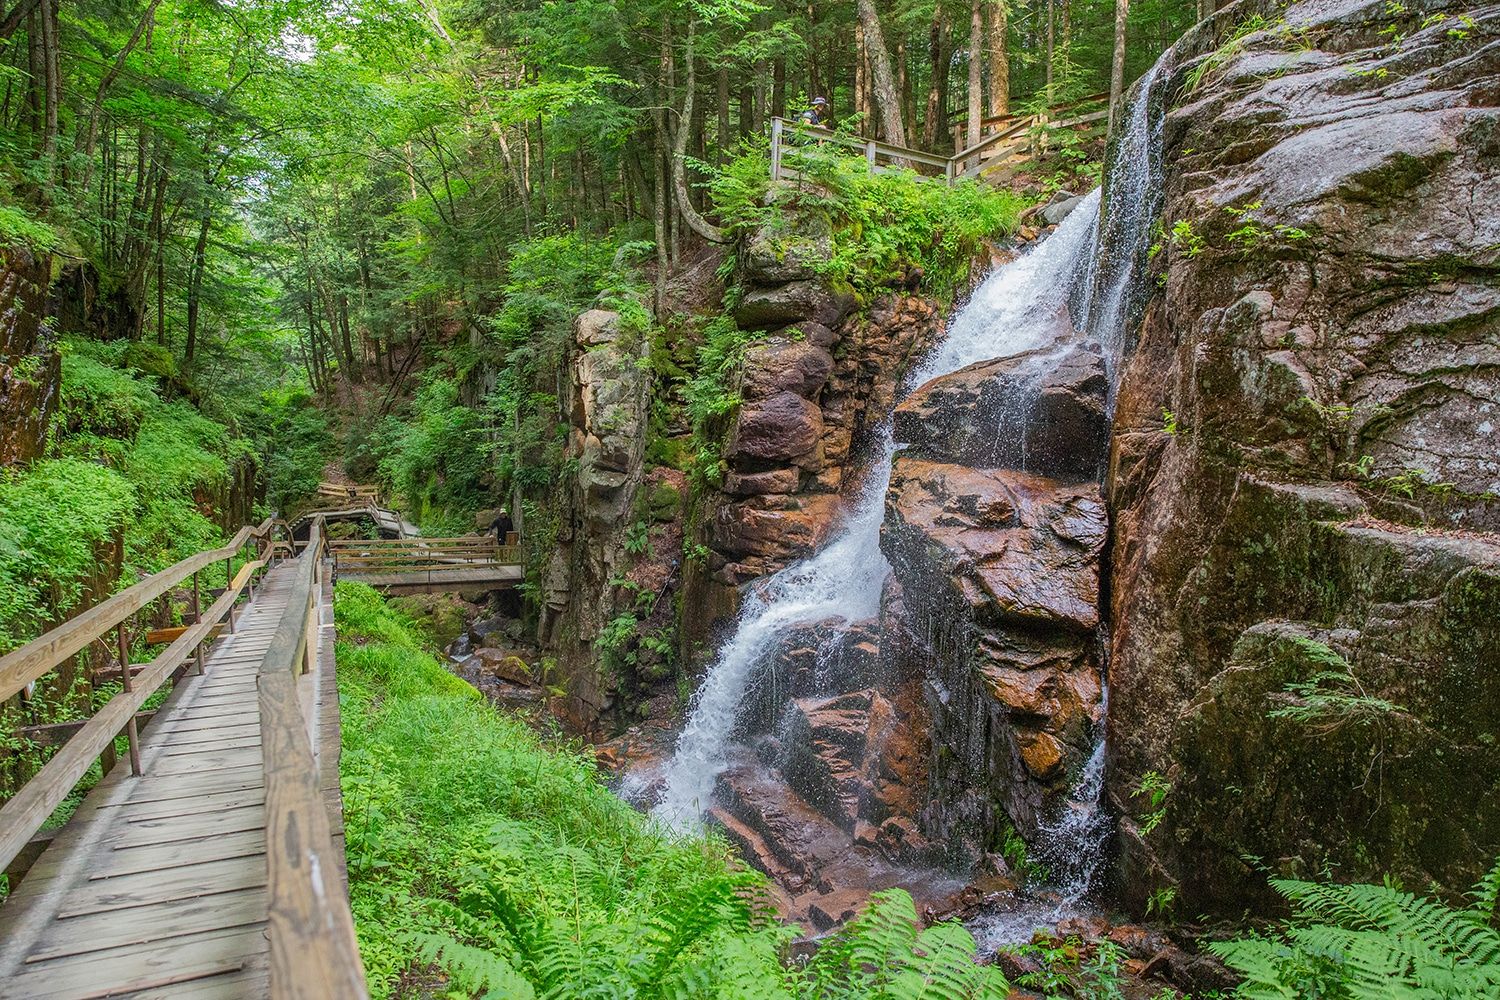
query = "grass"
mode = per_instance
[{"x": 442, "y": 794}]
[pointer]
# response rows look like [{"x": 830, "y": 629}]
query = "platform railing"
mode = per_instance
[
  {"x": 314, "y": 953},
  {"x": 1012, "y": 135}
]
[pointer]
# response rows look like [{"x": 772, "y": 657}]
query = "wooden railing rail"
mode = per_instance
[
  {"x": 314, "y": 953},
  {"x": 1007, "y": 127},
  {"x": 29, "y": 808}
]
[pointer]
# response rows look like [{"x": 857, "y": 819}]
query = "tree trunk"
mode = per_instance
[
  {"x": 999, "y": 58},
  {"x": 53, "y": 89},
  {"x": 699, "y": 224},
  {"x": 1117, "y": 67},
  {"x": 195, "y": 279},
  {"x": 935, "y": 120},
  {"x": 861, "y": 89},
  {"x": 976, "y": 73},
  {"x": 1051, "y": 48},
  {"x": 722, "y": 143},
  {"x": 886, "y": 94}
]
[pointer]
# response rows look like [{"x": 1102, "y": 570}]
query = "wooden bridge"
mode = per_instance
[
  {"x": 209, "y": 861},
  {"x": 429, "y": 565}
]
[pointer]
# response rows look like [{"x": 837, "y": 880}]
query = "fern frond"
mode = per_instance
[
  {"x": 1487, "y": 897},
  {"x": 472, "y": 968}
]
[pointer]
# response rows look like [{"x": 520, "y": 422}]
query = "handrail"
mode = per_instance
[
  {"x": 952, "y": 166},
  {"x": 314, "y": 953},
  {"x": 23, "y": 815},
  {"x": 32, "y": 661}
]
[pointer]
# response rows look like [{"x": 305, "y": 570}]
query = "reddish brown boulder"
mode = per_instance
[
  {"x": 1009, "y": 546},
  {"x": 783, "y": 427},
  {"x": 748, "y": 484},
  {"x": 795, "y": 366},
  {"x": 754, "y": 527}
]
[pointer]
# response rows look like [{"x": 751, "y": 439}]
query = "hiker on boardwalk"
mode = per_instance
[{"x": 816, "y": 113}]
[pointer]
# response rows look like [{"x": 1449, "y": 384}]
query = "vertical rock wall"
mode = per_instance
[
  {"x": 1304, "y": 470},
  {"x": 994, "y": 527},
  {"x": 30, "y": 365}
]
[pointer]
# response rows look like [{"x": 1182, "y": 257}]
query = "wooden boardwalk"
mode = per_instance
[
  {"x": 214, "y": 868},
  {"x": 157, "y": 887}
]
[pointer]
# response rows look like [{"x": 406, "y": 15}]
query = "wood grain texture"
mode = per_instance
[{"x": 218, "y": 872}]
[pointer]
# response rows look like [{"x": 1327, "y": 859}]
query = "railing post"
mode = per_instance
[
  {"x": 197, "y": 619},
  {"x": 132, "y": 734},
  {"x": 776, "y": 130},
  {"x": 870, "y": 154}
]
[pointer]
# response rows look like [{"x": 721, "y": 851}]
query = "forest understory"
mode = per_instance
[{"x": 899, "y": 618}]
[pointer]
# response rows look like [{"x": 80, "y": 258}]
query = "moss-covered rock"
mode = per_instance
[{"x": 1322, "y": 500}]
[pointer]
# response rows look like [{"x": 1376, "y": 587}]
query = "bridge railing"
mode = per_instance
[
  {"x": 23, "y": 816},
  {"x": 355, "y": 556},
  {"x": 314, "y": 953},
  {"x": 1013, "y": 135}
]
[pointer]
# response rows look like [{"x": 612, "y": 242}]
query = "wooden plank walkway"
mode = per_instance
[{"x": 157, "y": 887}]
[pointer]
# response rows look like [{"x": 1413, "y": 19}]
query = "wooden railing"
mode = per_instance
[
  {"x": 350, "y": 492},
  {"x": 879, "y": 155},
  {"x": 23, "y": 816},
  {"x": 314, "y": 953},
  {"x": 1011, "y": 135},
  {"x": 414, "y": 555}
]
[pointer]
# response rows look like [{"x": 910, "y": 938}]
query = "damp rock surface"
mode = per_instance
[{"x": 1304, "y": 467}]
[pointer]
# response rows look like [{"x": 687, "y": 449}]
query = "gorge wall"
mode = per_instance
[{"x": 1305, "y": 600}]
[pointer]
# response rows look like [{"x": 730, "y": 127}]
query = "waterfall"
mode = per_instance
[
  {"x": 1090, "y": 268},
  {"x": 1107, "y": 304},
  {"x": 1014, "y": 310}
]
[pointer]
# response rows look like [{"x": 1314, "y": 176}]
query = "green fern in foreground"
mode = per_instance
[
  {"x": 882, "y": 955},
  {"x": 1361, "y": 942}
]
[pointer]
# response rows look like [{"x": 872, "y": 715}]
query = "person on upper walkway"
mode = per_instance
[{"x": 816, "y": 113}]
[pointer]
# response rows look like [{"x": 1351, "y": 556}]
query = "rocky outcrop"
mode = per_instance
[
  {"x": 30, "y": 365},
  {"x": 811, "y": 384},
  {"x": 995, "y": 527},
  {"x": 608, "y": 409},
  {"x": 1304, "y": 471}
]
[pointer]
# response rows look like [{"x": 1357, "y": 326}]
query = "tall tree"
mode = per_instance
[
  {"x": 1117, "y": 64},
  {"x": 999, "y": 58},
  {"x": 976, "y": 71},
  {"x": 887, "y": 94}
]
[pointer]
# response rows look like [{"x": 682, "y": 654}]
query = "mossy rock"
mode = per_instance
[
  {"x": 664, "y": 502},
  {"x": 151, "y": 359},
  {"x": 442, "y": 615}
]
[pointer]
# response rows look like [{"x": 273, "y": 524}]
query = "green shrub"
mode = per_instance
[
  {"x": 55, "y": 519},
  {"x": 96, "y": 397},
  {"x": 884, "y": 224}
]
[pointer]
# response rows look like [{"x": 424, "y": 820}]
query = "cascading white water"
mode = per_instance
[
  {"x": 1013, "y": 311},
  {"x": 1132, "y": 192}
]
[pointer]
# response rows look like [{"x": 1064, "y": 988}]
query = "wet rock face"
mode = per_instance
[
  {"x": 1042, "y": 411},
  {"x": 1322, "y": 498},
  {"x": 810, "y": 389},
  {"x": 999, "y": 571},
  {"x": 30, "y": 365}
]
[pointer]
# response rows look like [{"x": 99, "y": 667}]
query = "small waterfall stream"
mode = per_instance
[
  {"x": 1090, "y": 268},
  {"x": 1013, "y": 311}
]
